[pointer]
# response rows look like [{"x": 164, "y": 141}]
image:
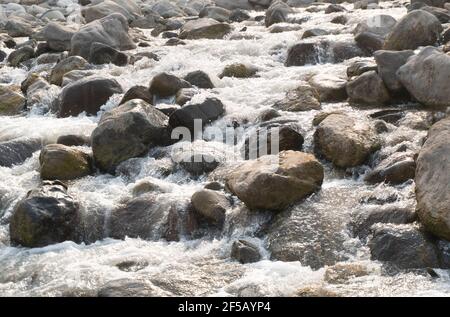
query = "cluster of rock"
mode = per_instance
[{"x": 408, "y": 65}]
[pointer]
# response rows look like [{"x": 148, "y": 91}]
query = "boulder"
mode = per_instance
[
  {"x": 330, "y": 88},
  {"x": 207, "y": 111},
  {"x": 369, "y": 42},
  {"x": 211, "y": 205},
  {"x": 200, "y": 79},
  {"x": 360, "y": 67},
  {"x": 16, "y": 151},
  {"x": 396, "y": 169},
  {"x": 47, "y": 215},
  {"x": 60, "y": 162},
  {"x": 111, "y": 30},
  {"x": 368, "y": 89},
  {"x": 238, "y": 70},
  {"x": 245, "y": 252},
  {"x": 303, "y": 98},
  {"x": 167, "y": 9},
  {"x": 128, "y": 8},
  {"x": 183, "y": 96},
  {"x": 166, "y": 85},
  {"x": 137, "y": 92},
  {"x": 425, "y": 76},
  {"x": 433, "y": 181},
  {"x": 57, "y": 36},
  {"x": 277, "y": 12},
  {"x": 20, "y": 55},
  {"x": 345, "y": 141},
  {"x": 380, "y": 25},
  {"x": 21, "y": 26},
  {"x": 239, "y": 15},
  {"x": 66, "y": 65},
  {"x": 388, "y": 64},
  {"x": 104, "y": 54},
  {"x": 216, "y": 13},
  {"x": 441, "y": 14},
  {"x": 314, "y": 32},
  {"x": 417, "y": 28},
  {"x": 264, "y": 184},
  {"x": 86, "y": 95},
  {"x": 127, "y": 131},
  {"x": 204, "y": 28},
  {"x": 12, "y": 102}
]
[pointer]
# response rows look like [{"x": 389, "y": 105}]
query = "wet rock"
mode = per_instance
[
  {"x": 207, "y": 111},
  {"x": 8, "y": 41},
  {"x": 216, "y": 13},
  {"x": 303, "y": 98},
  {"x": 380, "y": 25},
  {"x": 364, "y": 219},
  {"x": 167, "y": 9},
  {"x": 66, "y": 65},
  {"x": 16, "y": 151},
  {"x": 47, "y": 215},
  {"x": 277, "y": 12},
  {"x": 334, "y": 8},
  {"x": 302, "y": 54},
  {"x": 127, "y": 131},
  {"x": 433, "y": 181},
  {"x": 214, "y": 186},
  {"x": 73, "y": 140},
  {"x": 211, "y": 205},
  {"x": 314, "y": 32},
  {"x": 404, "y": 246},
  {"x": 60, "y": 162},
  {"x": 204, "y": 28},
  {"x": 183, "y": 96},
  {"x": 368, "y": 88},
  {"x": 197, "y": 158},
  {"x": 12, "y": 102},
  {"x": 165, "y": 85},
  {"x": 145, "y": 187},
  {"x": 239, "y": 15},
  {"x": 137, "y": 92},
  {"x": 424, "y": 76},
  {"x": 245, "y": 252},
  {"x": 20, "y": 55},
  {"x": 87, "y": 95},
  {"x": 390, "y": 116},
  {"x": 369, "y": 42},
  {"x": 18, "y": 26},
  {"x": 238, "y": 70},
  {"x": 417, "y": 28},
  {"x": 388, "y": 64},
  {"x": 268, "y": 115},
  {"x": 129, "y": 9},
  {"x": 260, "y": 184},
  {"x": 330, "y": 88},
  {"x": 200, "y": 79},
  {"x": 340, "y": 19},
  {"x": 111, "y": 30},
  {"x": 57, "y": 36},
  {"x": 441, "y": 14},
  {"x": 360, "y": 67},
  {"x": 104, "y": 54},
  {"x": 396, "y": 169},
  {"x": 342, "y": 272},
  {"x": 344, "y": 141}
]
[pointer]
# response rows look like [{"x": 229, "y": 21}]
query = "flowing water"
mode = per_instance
[{"x": 202, "y": 266}]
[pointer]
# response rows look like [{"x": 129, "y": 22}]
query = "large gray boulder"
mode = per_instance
[
  {"x": 111, "y": 30},
  {"x": 426, "y": 77},
  {"x": 58, "y": 37},
  {"x": 264, "y": 184},
  {"x": 16, "y": 151},
  {"x": 367, "y": 89},
  {"x": 277, "y": 13},
  {"x": 417, "y": 28},
  {"x": 345, "y": 141},
  {"x": 127, "y": 131},
  {"x": 204, "y": 28},
  {"x": 128, "y": 8},
  {"x": 388, "y": 63},
  {"x": 64, "y": 66},
  {"x": 433, "y": 181}
]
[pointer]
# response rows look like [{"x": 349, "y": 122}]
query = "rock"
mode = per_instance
[
  {"x": 73, "y": 140},
  {"x": 239, "y": 15},
  {"x": 235, "y": 4},
  {"x": 216, "y": 13},
  {"x": 368, "y": 88},
  {"x": 111, "y": 30},
  {"x": 369, "y": 42},
  {"x": 433, "y": 181},
  {"x": 380, "y": 25},
  {"x": 200, "y": 79},
  {"x": 214, "y": 186},
  {"x": 261, "y": 184},
  {"x": 137, "y": 92},
  {"x": 129, "y": 288},
  {"x": 277, "y": 12},
  {"x": 8, "y": 41},
  {"x": 425, "y": 76},
  {"x": 167, "y": 9},
  {"x": 340, "y": 19},
  {"x": 388, "y": 64},
  {"x": 314, "y": 32},
  {"x": 66, "y": 65},
  {"x": 303, "y": 98},
  {"x": 86, "y": 95},
  {"x": 245, "y": 252},
  {"x": 396, "y": 169},
  {"x": 364, "y": 219},
  {"x": 76, "y": 75},
  {"x": 207, "y": 111},
  {"x": 20, "y": 55},
  {"x": 47, "y": 215},
  {"x": 334, "y": 8},
  {"x": 58, "y": 37},
  {"x": 16, "y": 151},
  {"x": 129, "y": 9},
  {"x": 441, "y": 14},
  {"x": 238, "y": 70},
  {"x": 18, "y": 26},
  {"x": 104, "y": 54},
  {"x": 360, "y": 67},
  {"x": 60, "y": 162},
  {"x": 330, "y": 88},
  {"x": 204, "y": 28},
  {"x": 12, "y": 102},
  {"x": 165, "y": 85},
  {"x": 127, "y": 131},
  {"x": 417, "y": 28},
  {"x": 404, "y": 246},
  {"x": 434, "y": 3},
  {"x": 345, "y": 141},
  {"x": 268, "y": 115},
  {"x": 210, "y": 205}
]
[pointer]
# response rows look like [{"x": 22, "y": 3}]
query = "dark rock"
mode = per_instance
[
  {"x": 368, "y": 88},
  {"x": 200, "y": 79},
  {"x": 369, "y": 42},
  {"x": 388, "y": 64},
  {"x": 20, "y": 55},
  {"x": 73, "y": 140},
  {"x": 16, "y": 151},
  {"x": 165, "y": 85},
  {"x": 137, "y": 92},
  {"x": 211, "y": 205},
  {"x": 303, "y": 98},
  {"x": 245, "y": 252},
  {"x": 104, "y": 54}
]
